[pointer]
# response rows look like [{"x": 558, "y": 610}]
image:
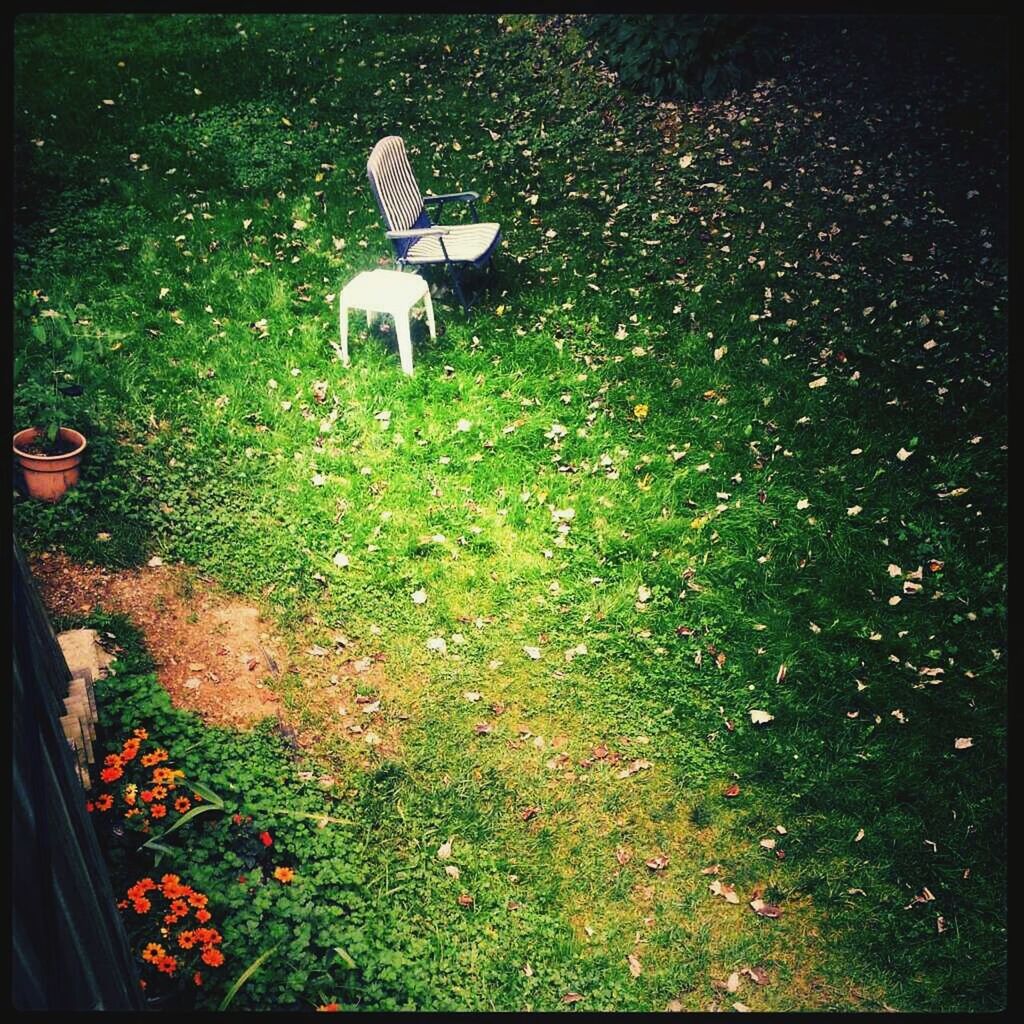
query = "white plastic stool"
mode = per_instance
[{"x": 386, "y": 291}]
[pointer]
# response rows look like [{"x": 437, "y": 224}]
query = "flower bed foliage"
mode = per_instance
[{"x": 276, "y": 864}]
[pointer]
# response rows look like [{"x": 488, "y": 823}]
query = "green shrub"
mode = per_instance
[{"x": 681, "y": 55}]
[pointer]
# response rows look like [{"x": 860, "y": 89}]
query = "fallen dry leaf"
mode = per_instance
[
  {"x": 658, "y": 863},
  {"x": 756, "y": 974},
  {"x": 723, "y": 889},
  {"x": 765, "y": 909}
]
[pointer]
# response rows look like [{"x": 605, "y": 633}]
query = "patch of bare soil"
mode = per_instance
[
  {"x": 214, "y": 654},
  {"x": 217, "y": 656}
]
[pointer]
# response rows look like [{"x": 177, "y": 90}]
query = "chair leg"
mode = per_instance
[
  {"x": 404, "y": 341},
  {"x": 343, "y": 331},
  {"x": 457, "y": 284},
  {"x": 428, "y": 303}
]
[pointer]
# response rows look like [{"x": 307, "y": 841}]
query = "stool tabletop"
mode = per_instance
[{"x": 384, "y": 288}]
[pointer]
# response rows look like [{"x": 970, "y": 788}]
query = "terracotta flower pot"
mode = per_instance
[{"x": 47, "y": 477}]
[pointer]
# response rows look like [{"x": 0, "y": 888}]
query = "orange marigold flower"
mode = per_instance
[
  {"x": 153, "y": 952},
  {"x": 328, "y": 1008},
  {"x": 160, "y": 754},
  {"x": 197, "y": 978},
  {"x": 182, "y": 804},
  {"x": 284, "y": 875},
  {"x": 112, "y": 761},
  {"x": 162, "y": 775},
  {"x": 186, "y": 939},
  {"x": 167, "y": 964},
  {"x": 203, "y": 915},
  {"x": 197, "y": 798},
  {"x": 147, "y": 796},
  {"x": 179, "y": 907},
  {"x": 104, "y": 802},
  {"x": 159, "y": 792},
  {"x": 122, "y": 904},
  {"x": 140, "y": 734},
  {"x": 198, "y": 899},
  {"x": 111, "y": 774},
  {"x": 158, "y": 810},
  {"x": 141, "y": 905},
  {"x": 166, "y": 880},
  {"x": 148, "y": 760},
  {"x": 212, "y": 957}
]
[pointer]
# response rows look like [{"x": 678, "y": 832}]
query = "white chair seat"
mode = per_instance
[
  {"x": 386, "y": 291},
  {"x": 463, "y": 242}
]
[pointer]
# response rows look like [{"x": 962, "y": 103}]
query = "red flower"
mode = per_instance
[
  {"x": 203, "y": 915},
  {"x": 158, "y": 810},
  {"x": 213, "y": 957},
  {"x": 197, "y": 978},
  {"x": 111, "y": 774},
  {"x": 328, "y": 1008},
  {"x": 266, "y": 839}
]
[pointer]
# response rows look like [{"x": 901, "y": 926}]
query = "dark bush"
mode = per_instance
[{"x": 684, "y": 56}]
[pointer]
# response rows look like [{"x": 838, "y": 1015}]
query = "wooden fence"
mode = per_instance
[{"x": 69, "y": 949}]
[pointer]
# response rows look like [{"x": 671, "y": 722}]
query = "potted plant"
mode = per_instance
[{"x": 50, "y": 452}]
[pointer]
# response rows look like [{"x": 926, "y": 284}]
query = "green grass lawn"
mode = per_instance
[{"x": 667, "y": 454}]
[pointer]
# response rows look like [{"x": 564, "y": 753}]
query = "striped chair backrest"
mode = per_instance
[{"x": 395, "y": 189}]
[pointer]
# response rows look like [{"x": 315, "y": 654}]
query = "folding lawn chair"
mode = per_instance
[{"x": 418, "y": 240}]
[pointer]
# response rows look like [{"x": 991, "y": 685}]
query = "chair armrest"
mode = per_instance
[
  {"x": 454, "y": 197},
  {"x": 419, "y": 233}
]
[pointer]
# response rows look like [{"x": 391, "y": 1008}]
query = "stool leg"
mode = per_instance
[
  {"x": 343, "y": 331},
  {"x": 430, "y": 312},
  {"x": 404, "y": 341}
]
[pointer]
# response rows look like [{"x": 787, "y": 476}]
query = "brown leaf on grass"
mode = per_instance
[
  {"x": 623, "y": 854},
  {"x": 684, "y": 631},
  {"x": 765, "y": 909},
  {"x": 600, "y": 752},
  {"x": 674, "y": 1006},
  {"x": 483, "y": 728},
  {"x": 715, "y": 869},
  {"x": 571, "y": 997},
  {"x": 633, "y": 767},
  {"x": 657, "y": 863},
  {"x": 529, "y": 812},
  {"x": 731, "y": 790},
  {"x": 465, "y": 900},
  {"x": 635, "y": 967},
  {"x": 757, "y": 975},
  {"x": 723, "y": 889}
]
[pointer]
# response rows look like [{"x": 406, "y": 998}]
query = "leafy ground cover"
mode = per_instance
[{"x": 684, "y": 558}]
